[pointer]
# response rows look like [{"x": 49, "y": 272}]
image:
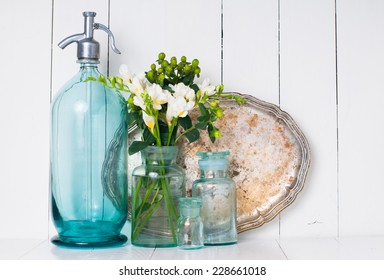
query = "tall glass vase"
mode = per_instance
[{"x": 157, "y": 186}]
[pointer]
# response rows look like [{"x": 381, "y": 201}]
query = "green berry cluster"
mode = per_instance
[{"x": 173, "y": 71}]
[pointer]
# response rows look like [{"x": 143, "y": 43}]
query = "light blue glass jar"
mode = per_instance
[
  {"x": 218, "y": 194},
  {"x": 157, "y": 185},
  {"x": 190, "y": 225},
  {"x": 88, "y": 162}
]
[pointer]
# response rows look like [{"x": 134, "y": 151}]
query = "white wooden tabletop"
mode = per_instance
[{"x": 248, "y": 248}]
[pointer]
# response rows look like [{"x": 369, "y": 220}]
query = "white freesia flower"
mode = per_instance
[
  {"x": 206, "y": 88},
  {"x": 149, "y": 121},
  {"x": 125, "y": 74},
  {"x": 168, "y": 95},
  {"x": 138, "y": 84},
  {"x": 157, "y": 95},
  {"x": 139, "y": 101},
  {"x": 178, "y": 107},
  {"x": 181, "y": 90},
  {"x": 169, "y": 115}
]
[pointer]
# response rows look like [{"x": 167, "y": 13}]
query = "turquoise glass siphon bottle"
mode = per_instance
[
  {"x": 218, "y": 194},
  {"x": 88, "y": 152}
]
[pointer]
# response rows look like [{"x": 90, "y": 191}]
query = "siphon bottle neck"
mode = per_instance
[
  {"x": 89, "y": 69},
  {"x": 88, "y": 65}
]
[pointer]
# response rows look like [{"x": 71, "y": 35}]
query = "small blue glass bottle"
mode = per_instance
[
  {"x": 190, "y": 225},
  {"x": 88, "y": 172},
  {"x": 218, "y": 194}
]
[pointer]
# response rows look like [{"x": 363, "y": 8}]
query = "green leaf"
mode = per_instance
[
  {"x": 201, "y": 125},
  {"x": 240, "y": 100},
  {"x": 145, "y": 207},
  {"x": 159, "y": 197},
  {"x": 167, "y": 87},
  {"x": 211, "y": 132},
  {"x": 192, "y": 135},
  {"x": 102, "y": 79},
  {"x": 90, "y": 79},
  {"x": 164, "y": 132},
  {"x": 188, "y": 80},
  {"x": 203, "y": 110},
  {"x": 140, "y": 122},
  {"x": 185, "y": 122},
  {"x": 194, "y": 87},
  {"x": 137, "y": 146},
  {"x": 112, "y": 80},
  {"x": 203, "y": 118},
  {"x": 148, "y": 137},
  {"x": 132, "y": 118}
]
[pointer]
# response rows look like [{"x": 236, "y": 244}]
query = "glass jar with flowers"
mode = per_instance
[{"x": 159, "y": 103}]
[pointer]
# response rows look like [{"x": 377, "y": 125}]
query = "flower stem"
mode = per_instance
[
  {"x": 169, "y": 203},
  {"x": 157, "y": 136},
  {"x": 137, "y": 230},
  {"x": 170, "y": 131},
  {"x": 135, "y": 200},
  {"x": 185, "y": 132},
  {"x": 146, "y": 196}
]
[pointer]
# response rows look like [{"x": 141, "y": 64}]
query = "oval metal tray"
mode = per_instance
[{"x": 269, "y": 158}]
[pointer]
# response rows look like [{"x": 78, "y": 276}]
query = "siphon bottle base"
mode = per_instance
[{"x": 115, "y": 241}]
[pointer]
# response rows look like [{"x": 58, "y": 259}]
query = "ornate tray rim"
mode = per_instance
[{"x": 303, "y": 170}]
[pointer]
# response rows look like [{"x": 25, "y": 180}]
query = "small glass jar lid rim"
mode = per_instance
[
  {"x": 213, "y": 160},
  {"x": 190, "y": 202}
]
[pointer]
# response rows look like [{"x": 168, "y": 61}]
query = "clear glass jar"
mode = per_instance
[
  {"x": 218, "y": 194},
  {"x": 190, "y": 224},
  {"x": 157, "y": 186},
  {"x": 88, "y": 162}
]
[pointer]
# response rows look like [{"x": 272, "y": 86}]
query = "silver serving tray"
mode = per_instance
[{"x": 269, "y": 158}]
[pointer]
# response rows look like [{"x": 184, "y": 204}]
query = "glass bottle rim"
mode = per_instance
[
  {"x": 190, "y": 202},
  {"x": 213, "y": 160},
  {"x": 213, "y": 155},
  {"x": 160, "y": 152}
]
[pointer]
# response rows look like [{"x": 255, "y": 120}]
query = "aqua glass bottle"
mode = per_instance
[
  {"x": 88, "y": 155},
  {"x": 218, "y": 194},
  {"x": 190, "y": 225}
]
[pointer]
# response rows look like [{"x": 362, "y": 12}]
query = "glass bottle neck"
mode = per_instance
[
  {"x": 159, "y": 156},
  {"x": 190, "y": 212},
  {"x": 158, "y": 162},
  {"x": 207, "y": 174},
  {"x": 89, "y": 70},
  {"x": 88, "y": 65}
]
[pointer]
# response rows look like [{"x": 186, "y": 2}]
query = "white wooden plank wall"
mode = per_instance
[
  {"x": 361, "y": 133},
  {"x": 308, "y": 93},
  {"x": 318, "y": 60},
  {"x": 25, "y": 55}
]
